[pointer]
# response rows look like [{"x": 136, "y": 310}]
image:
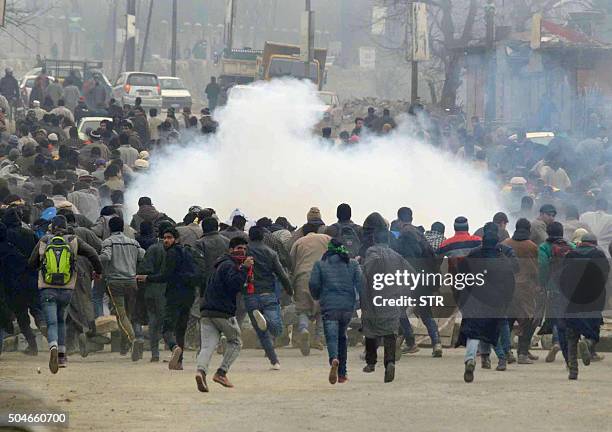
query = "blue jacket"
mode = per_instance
[{"x": 336, "y": 284}]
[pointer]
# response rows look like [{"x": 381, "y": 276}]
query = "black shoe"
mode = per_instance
[
  {"x": 573, "y": 375},
  {"x": 583, "y": 351},
  {"x": 468, "y": 375},
  {"x": 31, "y": 350},
  {"x": 389, "y": 372},
  {"x": 53, "y": 360},
  {"x": 305, "y": 343},
  {"x": 154, "y": 359},
  {"x": 485, "y": 361},
  {"x": 369, "y": 368},
  {"x": 137, "y": 348}
]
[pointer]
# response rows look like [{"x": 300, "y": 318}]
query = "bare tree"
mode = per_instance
[
  {"x": 452, "y": 26},
  {"x": 19, "y": 19},
  {"x": 522, "y": 10}
]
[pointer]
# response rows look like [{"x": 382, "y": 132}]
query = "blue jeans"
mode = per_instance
[
  {"x": 304, "y": 322},
  {"x": 269, "y": 306},
  {"x": 471, "y": 349},
  {"x": 55, "y": 302},
  {"x": 427, "y": 319},
  {"x": 335, "y": 324},
  {"x": 555, "y": 334},
  {"x": 97, "y": 297},
  {"x": 503, "y": 343}
]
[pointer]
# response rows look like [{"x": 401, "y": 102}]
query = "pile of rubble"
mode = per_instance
[{"x": 358, "y": 107}]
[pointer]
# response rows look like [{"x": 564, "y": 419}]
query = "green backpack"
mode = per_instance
[{"x": 58, "y": 262}]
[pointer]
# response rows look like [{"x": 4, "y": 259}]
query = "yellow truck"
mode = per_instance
[{"x": 282, "y": 60}]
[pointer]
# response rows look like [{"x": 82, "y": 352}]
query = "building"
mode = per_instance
[{"x": 555, "y": 77}]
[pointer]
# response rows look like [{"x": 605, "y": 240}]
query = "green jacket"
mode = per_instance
[
  {"x": 548, "y": 281},
  {"x": 152, "y": 263}
]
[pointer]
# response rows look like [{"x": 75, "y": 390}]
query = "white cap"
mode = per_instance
[
  {"x": 518, "y": 181},
  {"x": 53, "y": 137},
  {"x": 141, "y": 164}
]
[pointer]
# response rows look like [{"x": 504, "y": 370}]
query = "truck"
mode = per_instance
[
  {"x": 245, "y": 65},
  {"x": 239, "y": 66},
  {"x": 281, "y": 60}
]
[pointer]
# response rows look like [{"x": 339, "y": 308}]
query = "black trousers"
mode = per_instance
[
  {"x": 176, "y": 315},
  {"x": 371, "y": 345},
  {"x": 24, "y": 301},
  {"x": 155, "y": 311}
]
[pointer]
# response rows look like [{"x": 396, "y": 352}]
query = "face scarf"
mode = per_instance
[
  {"x": 249, "y": 283},
  {"x": 334, "y": 247}
]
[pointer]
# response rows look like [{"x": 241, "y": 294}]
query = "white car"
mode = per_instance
[
  {"x": 542, "y": 138},
  {"x": 333, "y": 110},
  {"x": 145, "y": 85},
  {"x": 174, "y": 93},
  {"x": 92, "y": 123}
]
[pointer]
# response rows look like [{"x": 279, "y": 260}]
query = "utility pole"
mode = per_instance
[
  {"x": 414, "y": 82},
  {"x": 417, "y": 19},
  {"x": 173, "y": 63},
  {"x": 228, "y": 30},
  {"x": 114, "y": 38},
  {"x": 490, "y": 95},
  {"x": 307, "y": 46},
  {"x": 130, "y": 36},
  {"x": 146, "y": 38}
]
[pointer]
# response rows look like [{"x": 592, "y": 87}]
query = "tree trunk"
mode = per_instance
[
  {"x": 432, "y": 92},
  {"x": 452, "y": 81}
]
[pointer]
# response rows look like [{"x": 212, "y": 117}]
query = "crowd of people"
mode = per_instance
[{"x": 70, "y": 254}]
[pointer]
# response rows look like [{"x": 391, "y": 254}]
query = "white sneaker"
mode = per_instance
[
  {"x": 260, "y": 320},
  {"x": 275, "y": 366}
]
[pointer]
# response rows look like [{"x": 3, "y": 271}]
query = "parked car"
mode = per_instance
[
  {"x": 130, "y": 85},
  {"x": 541, "y": 138},
  {"x": 92, "y": 123},
  {"x": 174, "y": 93},
  {"x": 25, "y": 88}
]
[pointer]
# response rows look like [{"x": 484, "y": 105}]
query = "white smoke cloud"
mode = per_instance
[{"x": 266, "y": 160}]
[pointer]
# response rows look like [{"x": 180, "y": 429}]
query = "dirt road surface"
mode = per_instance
[{"x": 106, "y": 392}]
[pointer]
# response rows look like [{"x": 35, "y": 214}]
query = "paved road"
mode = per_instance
[{"x": 106, "y": 392}]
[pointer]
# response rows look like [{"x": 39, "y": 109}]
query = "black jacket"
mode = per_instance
[
  {"x": 146, "y": 240},
  {"x": 266, "y": 268},
  {"x": 583, "y": 281},
  {"x": 9, "y": 87},
  {"x": 213, "y": 246},
  {"x": 173, "y": 274},
  {"x": 24, "y": 241},
  {"x": 23, "y": 238},
  {"x": 219, "y": 300}
]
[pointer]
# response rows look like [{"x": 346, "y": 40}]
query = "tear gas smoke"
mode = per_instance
[{"x": 266, "y": 160}]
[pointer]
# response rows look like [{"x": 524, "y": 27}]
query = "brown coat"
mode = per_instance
[
  {"x": 538, "y": 231},
  {"x": 527, "y": 290},
  {"x": 305, "y": 252}
]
